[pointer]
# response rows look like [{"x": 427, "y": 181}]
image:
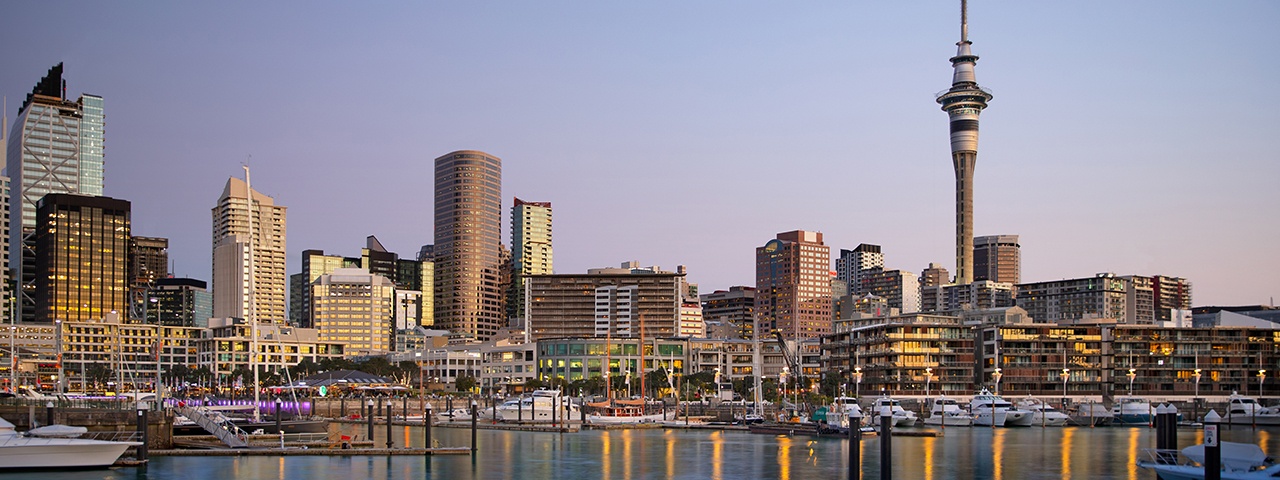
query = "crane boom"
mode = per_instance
[{"x": 786, "y": 352}]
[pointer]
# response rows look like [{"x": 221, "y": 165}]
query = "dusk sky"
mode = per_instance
[{"x": 1135, "y": 137}]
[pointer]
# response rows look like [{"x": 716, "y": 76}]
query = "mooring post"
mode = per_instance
[
  {"x": 426, "y": 427},
  {"x": 473, "y": 427},
  {"x": 1212, "y": 451},
  {"x": 48, "y": 413},
  {"x": 369, "y": 403},
  {"x": 279, "y": 430},
  {"x": 854, "y": 414},
  {"x": 142, "y": 429},
  {"x": 390, "y": 441},
  {"x": 886, "y": 443}
]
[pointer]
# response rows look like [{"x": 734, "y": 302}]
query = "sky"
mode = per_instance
[{"x": 1137, "y": 138}]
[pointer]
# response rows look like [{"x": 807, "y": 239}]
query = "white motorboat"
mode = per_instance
[
  {"x": 901, "y": 416},
  {"x": 1242, "y": 410},
  {"x": 24, "y": 452},
  {"x": 1131, "y": 410},
  {"x": 622, "y": 412},
  {"x": 947, "y": 412},
  {"x": 1090, "y": 415},
  {"x": 988, "y": 409},
  {"x": 1240, "y": 461},
  {"x": 538, "y": 406},
  {"x": 1042, "y": 413},
  {"x": 838, "y": 414}
]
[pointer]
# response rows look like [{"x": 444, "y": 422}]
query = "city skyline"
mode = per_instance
[{"x": 668, "y": 133}]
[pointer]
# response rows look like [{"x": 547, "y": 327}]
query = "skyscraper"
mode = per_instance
[
  {"x": 55, "y": 146},
  {"x": 530, "y": 248},
  {"x": 468, "y": 231},
  {"x": 854, "y": 265},
  {"x": 997, "y": 258},
  {"x": 963, "y": 102},
  {"x": 81, "y": 252},
  {"x": 793, "y": 285},
  {"x": 248, "y": 255},
  {"x": 148, "y": 262}
]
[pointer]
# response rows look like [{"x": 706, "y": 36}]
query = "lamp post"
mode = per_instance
[
  {"x": 996, "y": 378},
  {"x": 421, "y": 383},
  {"x": 928, "y": 378},
  {"x": 1262, "y": 376},
  {"x": 1132, "y": 374},
  {"x": 857, "y": 382},
  {"x": 1196, "y": 376},
  {"x": 782, "y": 385},
  {"x": 1066, "y": 373}
]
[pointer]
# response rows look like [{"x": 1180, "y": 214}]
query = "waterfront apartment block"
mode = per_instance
[
  {"x": 81, "y": 255},
  {"x": 608, "y": 303},
  {"x": 468, "y": 232},
  {"x": 736, "y": 307},
  {"x": 900, "y": 354},
  {"x": 793, "y": 285},
  {"x": 248, "y": 255},
  {"x": 997, "y": 258},
  {"x": 1171, "y": 293},
  {"x": 1131, "y": 299}
]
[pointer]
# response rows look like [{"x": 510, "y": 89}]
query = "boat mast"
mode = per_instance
[{"x": 253, "y": 320}]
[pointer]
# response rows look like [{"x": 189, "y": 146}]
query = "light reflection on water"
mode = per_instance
[{"x": 1029, "y": 453}]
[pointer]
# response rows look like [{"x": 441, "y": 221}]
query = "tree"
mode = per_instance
[
  {"x": 656, "y": 381},
  {"x": 378, "y": 366},
  {"x": 534, "y": 384},
  {"x": 464, "y": 383},
  {"x": 99, "y": 373},
  {"x": 306, "y": 367}
]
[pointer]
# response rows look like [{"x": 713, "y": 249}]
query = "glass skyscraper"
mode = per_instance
[
  {"x": 468, "y": 235},
  {"x": 55, "y": 146}
]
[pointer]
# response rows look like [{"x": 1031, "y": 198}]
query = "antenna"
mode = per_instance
[{"x": 964, "y": 21}]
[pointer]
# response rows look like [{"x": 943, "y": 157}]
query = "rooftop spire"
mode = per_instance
[{"x": 964, "y": 21}]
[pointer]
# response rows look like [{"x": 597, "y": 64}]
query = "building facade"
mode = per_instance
[
  {"x": 793, "y": 285},
  {"x": 179, "y": 302},
  {"x": 899, "y": 288},
  {"x": 531, "y": 252},
  {"x": 248, "y": 255},
  {"x": 736, "y": 306},
  {"x": 603, "y": 305},
  {"x": 468, "y": 232},
  {"x": 55, "y": 146},
  {"x": 148, "y": 262},
  {"x": 854, "y": 264},
  {"x": 356, "y": 308},
  {"x": 81, "y": 247},
  {"x": 997, "y": 258}
]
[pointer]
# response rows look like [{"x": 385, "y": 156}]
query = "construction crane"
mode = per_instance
[{"x": 786, "y": 352}]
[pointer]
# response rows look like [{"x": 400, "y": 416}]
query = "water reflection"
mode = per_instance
[
  {"x": 929, "y": 445},
  {"x": 671, "y": 453},
  {"x": 1067, "y": 435},
  {"x": 784, "y": 457},
  {"x": 1133, "y": 452},
  {"x": 997, "y": 452},
  {"x": 606, "y": 446}
]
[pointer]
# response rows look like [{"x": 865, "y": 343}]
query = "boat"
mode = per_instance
[
  {"x": 1131, "y": 410},
  {"x": 1042, "y": 413},
  {"x": 838, "y": 414},
  {"x": 809, "y": 429},
  {"x": 622, "y": 412},
  {"x": 28, "y": 452},
  {"x": 454, "y": 415},
  {"x": 901, "y": 416},
  {"x": 988, "y": 409},
  {"x": 1090, "y": 415},
  {"x": 947, "y": 412},
  {"x": 1242, "y": 410},
  {"x": 1240, "y": 461},
  {"x": 538, "y": 406}
]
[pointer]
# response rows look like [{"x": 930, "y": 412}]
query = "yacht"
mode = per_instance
[
  {"x": 1042, "y": 413},
  {"x": 989, "y": 409},
  {"x": 901, "y": 416},
  {"x": 56, "y": 452},
  {"x": 841, "y": 408},
  {"x": 1242, "y": 410},
  {"x": 947, "y": 412},
  {"x": 1131, "y": 410},
  {"x": 539, "y": 406},
  {"x": 1090, "y": 415}
]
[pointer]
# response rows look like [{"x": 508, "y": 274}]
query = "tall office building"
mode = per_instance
[
  {"x": 468, "y": 231},
  {"x": 6, "y": 291},
  {"x": 793, "y": 285},
  {"x": 530, "y": 249},
  {"x": 355, "y": 307},
  {"x": 248, "y": 255},
  {"x": 148, "y": 262},
  {"x": 81, "y": 250},
  {"x": 609, "y": 302},
  {"x": 963, "y": 102},
  {"x": 854, "y": 265},
  {"x": 737, "y": 307},
  {"x": 997, "y": 258},
  {"x": 55, "y": 146},
  {"x": 314, "y": 264},
  {"x": 179, "y": 302}
]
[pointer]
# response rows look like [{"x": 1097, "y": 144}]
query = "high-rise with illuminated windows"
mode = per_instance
[
  {"x": 82, "y": 252},
  {"x": 468, "y": 233},
  {"x": 793, "y": 285},
  {"x": 530, "y": 248}
]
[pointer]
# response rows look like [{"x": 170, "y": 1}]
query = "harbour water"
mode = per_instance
[{"x": 1003, "y": 453}]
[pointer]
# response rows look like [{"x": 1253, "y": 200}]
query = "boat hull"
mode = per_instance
[
  {"x": 614, "y": 420},
  {"x": 949, "y": 420},
  {"x": 83, "y": 454},
  {"x": 1190, "y": 472}
]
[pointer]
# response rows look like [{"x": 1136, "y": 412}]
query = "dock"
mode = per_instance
[{"x": 276, "y": 452}]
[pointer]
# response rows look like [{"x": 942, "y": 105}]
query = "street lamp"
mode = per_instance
[
  {"x": 857, "y": 381},
  {"x": 1132, "y": 374},
  {"x": 928, "y": 378},
  {"x": 1262, "y": 376},
  {"x": 996, "y": 377},
  {"x": 1066, "y": 373},
  {"x": 1197, "y": 402}
]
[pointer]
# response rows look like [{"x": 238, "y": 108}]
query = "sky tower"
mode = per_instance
[{"x": 963, "y": 102}]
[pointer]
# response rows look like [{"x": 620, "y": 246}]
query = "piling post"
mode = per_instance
[
  {"x": 473, "y": 427},
  {"x": 1159, "y": 420},
  {"x": 886, "y": 443},
  {"x": 854, "y": 414},
  {"x": 279, "y": 430},
  {"x": 48, "y": 413},
  {"x": 404, "y": 408},
  {"x": 390, "y": 439},
  {"x": 370, "y": 405},
  {"x": 1172, "y": 442},
  {"x": 142, "y": 429},
  {"x": 342, "y": 405},
  {"x": 1212, "y": 450},
  {"x": 426, "y": 427}
]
